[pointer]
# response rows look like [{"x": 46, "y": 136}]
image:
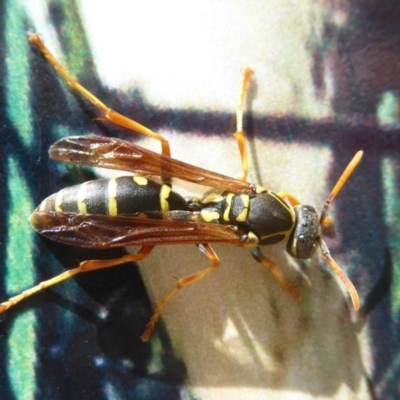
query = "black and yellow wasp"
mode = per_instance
[{"x": 133, "y": 210}]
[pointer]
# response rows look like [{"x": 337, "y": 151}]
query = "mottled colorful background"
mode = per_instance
[{"x": 326, "y": 84}]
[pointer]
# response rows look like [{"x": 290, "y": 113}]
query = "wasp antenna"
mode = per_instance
[
  {"x": 340, "y": 183},
  {"x": 341, "y": 274}
]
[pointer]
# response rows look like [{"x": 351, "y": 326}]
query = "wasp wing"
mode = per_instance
[
  {"x": 103, "y": 231},
  {"x": 118, "y": 154}
]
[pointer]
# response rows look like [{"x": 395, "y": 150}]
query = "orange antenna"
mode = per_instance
[
  {"x": 325, "y": 251},
  {"x": 340, "y": 183},
  {"x": 341, "y": 274}
]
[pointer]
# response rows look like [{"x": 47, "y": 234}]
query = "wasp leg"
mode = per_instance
[
  {"x": 260, "y": 257},
  {"x": 108, "y": 113},
  {"x": 207, "y": 250},
  {"x": 240, "y": 134},
  {"x": 85, "y": 266},
  {"x": 289, "y": 198}
]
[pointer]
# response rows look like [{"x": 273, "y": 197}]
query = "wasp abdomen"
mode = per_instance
[{"x": 116, "y": 196}]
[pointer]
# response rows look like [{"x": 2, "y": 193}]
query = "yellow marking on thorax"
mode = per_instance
[
  {"x": 164, "y": 194},
  {"x": 260, "y": 189},
  {"x": 246, "y": 203},
  {"x": 294, "y": 247},
  {"x": 212, "y": 197},
  {"x": 288, "y": 207},
  {"x": 209, "y": 216},
  {"x": 82, "y": 207},
  {"x": 140, "y": 180},
  {"x": 228, "y": 200},
  {"x": 285, "y": 235},
  {"x": 112, "y": 197},
  {"x": 58, "y": 201},
  {"x": 252, "y": 240},
  {"x": 42, "y": 205}
]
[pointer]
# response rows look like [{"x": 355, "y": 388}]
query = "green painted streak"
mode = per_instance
[
  {"x": 20, "y": 245},
  {"x": 17, "y": 70},
  {"x": 21, "y": 341},
  {"x": 61, "y": 132},
  {"x": 388, "y": 110},
  {"x": 22, "y": 357},
  {"x": 20, "y": 276},
  {"x": 78, "y": 56},
  {"x": 391, "y": 199}
]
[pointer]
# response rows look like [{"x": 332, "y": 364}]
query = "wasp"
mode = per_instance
[{"x": 134, "y": 210}]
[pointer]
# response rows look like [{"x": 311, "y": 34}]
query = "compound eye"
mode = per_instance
[{"x": 305, "y": 246}]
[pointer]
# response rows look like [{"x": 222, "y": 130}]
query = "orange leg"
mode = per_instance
[
  {"x": 260, "y": 257},
  {"x": 85, "y": 266},
  {"x": 240, "y": 134},
  {"x": 107, "y": 113},
  {"x": 189, "y": 280},
  {"x": 289, "y": 198}
]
